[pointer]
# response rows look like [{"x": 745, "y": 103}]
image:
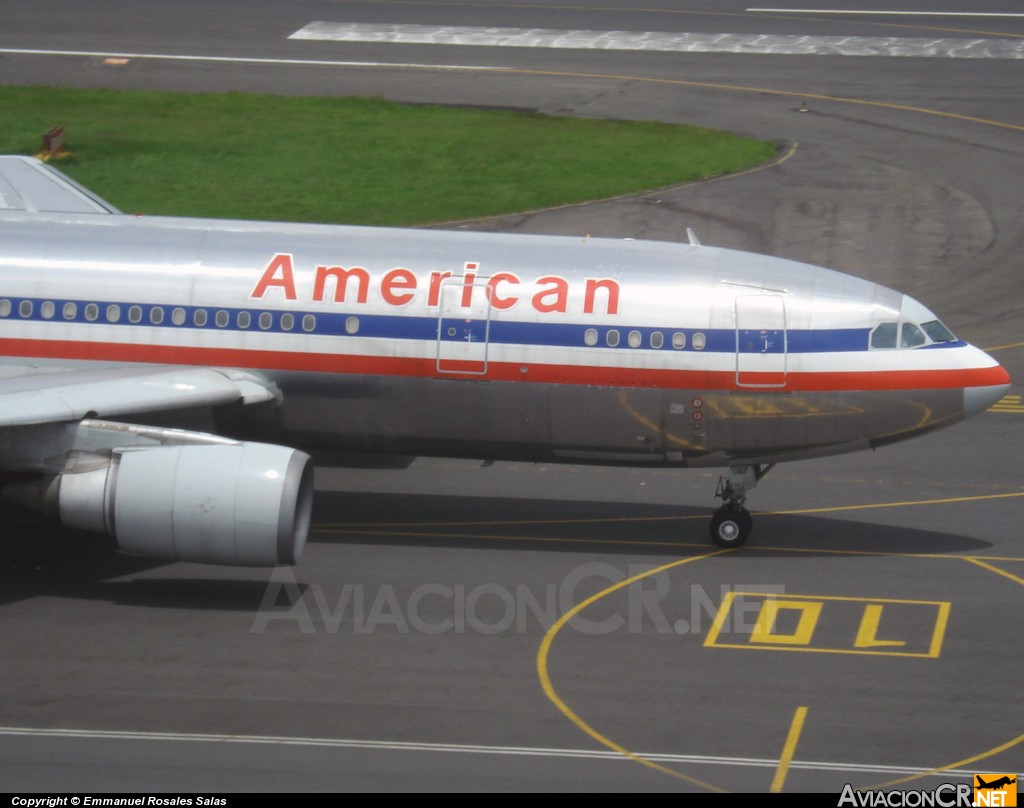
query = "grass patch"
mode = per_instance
[{"x": 351, "y": 160}]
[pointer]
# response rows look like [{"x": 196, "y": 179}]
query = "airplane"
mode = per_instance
[
  {"x": 996, "y": 784},
  {"x": 168, "y": 380}
]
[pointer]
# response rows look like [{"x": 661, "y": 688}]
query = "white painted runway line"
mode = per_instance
[
  {"x": 242, "y": 60},
  {"x": 475, "y": 749}
]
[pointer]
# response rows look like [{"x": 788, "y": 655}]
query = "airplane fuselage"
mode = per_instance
[{"x": 493, "y": 346}]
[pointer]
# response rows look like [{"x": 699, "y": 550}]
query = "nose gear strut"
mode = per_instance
[{"x": 731, "y": 524}]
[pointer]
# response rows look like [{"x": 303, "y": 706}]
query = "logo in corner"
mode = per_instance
[{"x": 996, "y": 790}]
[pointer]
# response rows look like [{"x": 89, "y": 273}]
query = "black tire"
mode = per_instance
[{"x": 730, "y": 526}]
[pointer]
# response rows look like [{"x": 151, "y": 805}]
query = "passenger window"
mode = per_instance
[
  {"x": 178, "y": 316},
  {"x": 156, "y": 315},
  {"x": 199, "y": 318},
  {"x": 590, "y": 336},
  {"x": 699, "y": 341},
  {"x": 113, "y": 313},
  {"x": 612, "y": 337},
  {"x": 911, "y": 336},
  {"x": 5, "y": 308},
  {"x": 657, "y": 339},
  {"x": 884, "y": 335},
  {"x": 309, "y": 323},
  {"x": 244, "y": 319},
  {"x": 135, "y": 314},
  {"x": 47, "y": 309},
  {"x": 92, "y": 311},
  {"x": 222, "y": 318},
  {"x": 679, "y": 340},
  {"x": 352, "y": 325},
  {"x": 266, "y": 320},
  {"x": 25, "y": 308},
  {"x": 287, "y": 322},
  {"x": 635, "y": 339},
  {"x": 70, "y": 311}
]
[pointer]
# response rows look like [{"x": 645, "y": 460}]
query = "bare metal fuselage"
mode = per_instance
[{"x": 489, "y": 346}]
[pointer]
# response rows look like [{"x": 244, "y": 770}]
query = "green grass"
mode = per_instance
[{"x": 351, "y": 160}]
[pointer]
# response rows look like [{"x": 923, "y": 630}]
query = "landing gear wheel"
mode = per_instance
[{"x": 730, "y": 526}]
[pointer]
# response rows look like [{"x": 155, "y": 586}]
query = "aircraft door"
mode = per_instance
[
  {"x": 761, "y": 358},
  {"x": 463, "y": 327}
]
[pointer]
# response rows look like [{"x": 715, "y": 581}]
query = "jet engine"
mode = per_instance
[{"x": 242, "y": 504}]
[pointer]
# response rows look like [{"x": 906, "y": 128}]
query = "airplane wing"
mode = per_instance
[
  {"x": 72, "y": 396},
  {"x": 163, "y": 493},
  {"x": 28, "y": 185},
  {"x": 34, "y": 397}
]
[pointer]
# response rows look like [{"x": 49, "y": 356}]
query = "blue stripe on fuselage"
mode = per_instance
[{"x": 405, "y": 327}]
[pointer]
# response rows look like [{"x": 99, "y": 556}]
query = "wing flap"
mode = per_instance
[{"x": 57, "y": 397}]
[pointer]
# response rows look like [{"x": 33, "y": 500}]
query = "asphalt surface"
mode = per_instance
[{"x": 454, "y": 627}]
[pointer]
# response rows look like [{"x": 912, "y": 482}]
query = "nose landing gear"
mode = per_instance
[{"x": 731, "y": 524}]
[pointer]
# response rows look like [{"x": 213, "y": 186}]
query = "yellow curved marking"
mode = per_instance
[
  {"x": 549, "y": 690},
  {"x": 957, "y": 765},
  {"x": 926, "y": 417},
  {"x": 926, "y": 420}
]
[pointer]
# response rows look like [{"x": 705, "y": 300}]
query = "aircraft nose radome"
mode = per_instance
[
  {"x": 979, "y": 399},
  {"x": 991, "y": 381}
]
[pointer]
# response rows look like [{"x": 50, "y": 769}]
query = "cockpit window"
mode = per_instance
[
  {"x": 884, "y": 336},
  {"x": 938, "y": 332},
  {"x": 911, "y": 336}
]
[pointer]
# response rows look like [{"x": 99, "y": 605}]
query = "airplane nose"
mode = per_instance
[
  {"x": 979, "y": 399},
  {"x": 988, "y": 382}
]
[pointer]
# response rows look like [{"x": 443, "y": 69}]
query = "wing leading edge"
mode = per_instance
[{"x": 71, "y": 396}]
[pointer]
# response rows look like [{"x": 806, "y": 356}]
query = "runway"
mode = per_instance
[{"x": 508, "y": 627}]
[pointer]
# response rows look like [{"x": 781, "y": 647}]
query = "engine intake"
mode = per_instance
[{"x": 245, "y": 504}]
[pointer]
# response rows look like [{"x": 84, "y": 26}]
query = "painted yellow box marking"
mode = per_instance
[{"x": 834, "y": 625}]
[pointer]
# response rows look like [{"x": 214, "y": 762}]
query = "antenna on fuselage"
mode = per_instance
[{"x": 692, "y": 237}]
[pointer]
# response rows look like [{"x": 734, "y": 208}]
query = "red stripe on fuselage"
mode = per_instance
[{"x": 504, "y": 371}]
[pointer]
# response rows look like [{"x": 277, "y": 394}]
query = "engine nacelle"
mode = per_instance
[{"x": 245, "y": 504}]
